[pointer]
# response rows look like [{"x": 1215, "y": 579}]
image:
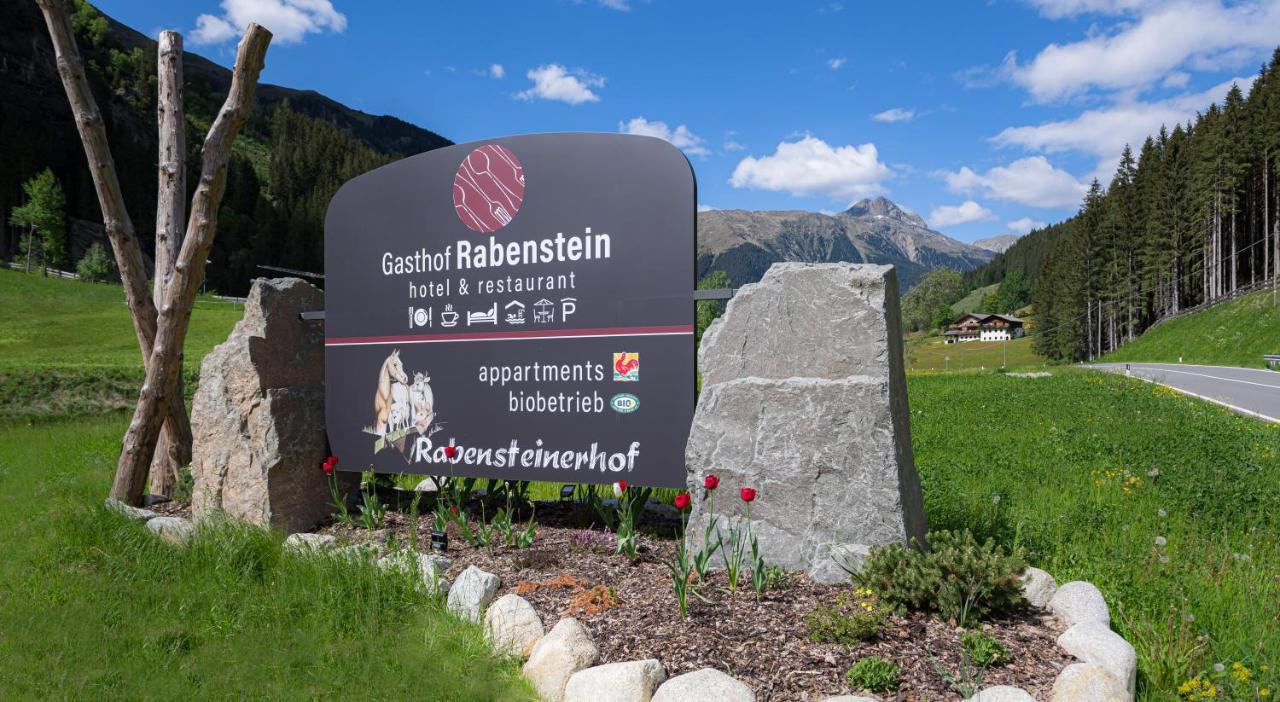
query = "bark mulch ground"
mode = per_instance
[{"x": 631, "y": 612}]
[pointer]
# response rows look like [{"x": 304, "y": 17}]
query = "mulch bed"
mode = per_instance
[{"x": 631, "y": 612}]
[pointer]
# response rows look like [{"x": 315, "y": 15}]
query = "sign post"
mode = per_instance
[{"x": 526, "y": 300}]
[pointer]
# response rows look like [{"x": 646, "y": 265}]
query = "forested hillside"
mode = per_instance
[
  {"x": 294, "y": 152},
  {"x": 1026, "y": 256},
  {"x": 1190, "y": 219}
]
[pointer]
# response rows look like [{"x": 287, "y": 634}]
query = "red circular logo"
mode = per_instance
[{"x": 488, "y": 188}]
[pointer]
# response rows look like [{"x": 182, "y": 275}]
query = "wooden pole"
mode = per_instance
[
  {"x": 171, "y": 208},
  {"x": 115, "y": 218},
  {"x": 188, "y": 271}
]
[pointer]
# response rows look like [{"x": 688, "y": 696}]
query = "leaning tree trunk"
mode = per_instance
[
  {"x": 119, "y": 227},
  {"x": 188, "y": 271},
  {"x": 171, "y": 206}
]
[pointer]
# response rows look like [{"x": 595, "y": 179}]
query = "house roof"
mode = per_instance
[{"x": 982, "y": 316}]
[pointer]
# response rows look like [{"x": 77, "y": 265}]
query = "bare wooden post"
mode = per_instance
[
  {"x": 115, "y": 218},
  {"x": 171, "y": 206},
  {"x": 180, "y": 293}
]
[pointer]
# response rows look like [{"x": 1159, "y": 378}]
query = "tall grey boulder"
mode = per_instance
[
  {"x": 804, "y": 398},
  {"x": 258, "y": 416}
]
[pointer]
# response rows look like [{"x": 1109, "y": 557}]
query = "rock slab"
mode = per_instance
[
  {"x": 472, "y": 593},
  {"x": 304, "y": 542},
  {"x": 631, "y": 681},
  {"x": 135, "y": 513},
  {"x": 258, "y": 415},
  {"x": 565, "y": 650},
  {"x": 804, "y": 398},
  {"x": 706, "y": 685},
  {"x": 1078, "y": 602},
  {"x": 512, "y": 626},
  {"x": 1096, "y": 643}
]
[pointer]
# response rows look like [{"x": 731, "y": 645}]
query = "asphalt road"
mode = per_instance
[{"x": 1251, "y": 391}]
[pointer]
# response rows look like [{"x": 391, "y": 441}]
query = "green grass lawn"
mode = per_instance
[
  {"x": 92, "y": 607},
  {"x": 68, "y": 349},
  {"x": 1234, "y": 333},
  {"x": 1092, "y": 473},
  {"x": 931, "y": 354}
]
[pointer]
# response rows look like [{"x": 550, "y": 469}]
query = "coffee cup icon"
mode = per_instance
[{"x": 448, "y": 317}]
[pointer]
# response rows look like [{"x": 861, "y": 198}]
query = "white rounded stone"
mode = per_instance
[
  {"x": 175, "y": 530},
  {"x": 1002, "y": 693},
  {"x": 427, "y": 485},
  {"x": 1096, "y": 643},
  {"x": 429, "y": 567},
  {"x": 706, "y": 685},
  {"x": 304, "y": 542},
  {"x": 512, "y": 626},
  {"x": 565, "y": 650},
  {"x": 1086, "y": 682},
  {"x": 1038, "y": 587},
  {"x": 1078, "y": 602},
  {"x": 472, "y": 592},
  {"x": 631, "y": 681}
]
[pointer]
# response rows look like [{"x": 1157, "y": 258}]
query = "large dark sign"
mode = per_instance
[{"x": 527, "y": 300}]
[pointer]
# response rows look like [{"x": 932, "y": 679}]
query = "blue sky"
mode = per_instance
[{"x": 984, "y": 117}]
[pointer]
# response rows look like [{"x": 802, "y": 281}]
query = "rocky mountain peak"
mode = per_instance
[{"x": 884, "y": 208}]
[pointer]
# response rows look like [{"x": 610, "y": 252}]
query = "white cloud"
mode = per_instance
[
  {"x": 1024, "y": 225},
  {"x": 619, "y": 5},
  {"x": 1103, "y": 132},
  {"x": 706, "y": 208},
  {"x": 810, "y": 166},
  {"x": 731, "y": 145},
  {"x": 964, "y": 213},
  {"x": 496, "y": 70},
  {"x": 681, "y": 137},
  {"x": 554, "y": 82},
  {"x": 1177, "y": 79},
  {"x": 830, "y": 8},
  {"x": 288, "y": 20},
  {"x": 1200, "y": 34},
  {"x": 895, "y": 114},
  {"x": 1030, "y": 181},
  {"x": 211, "y": 30},
  {"x": 1058, "y": 9},
  {"x": 836, "y": 63}
]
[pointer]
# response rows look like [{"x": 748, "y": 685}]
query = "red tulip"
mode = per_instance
[
  {"x": 748, "y": 494},
  {"x": 682, "y": 501},
  {"x": 451, "y": 452},
  {"x": 711, "y": 482},
  {"x": 453, "y": 511},
  {"x": 332, "y": 460},
  {"x": 328, "y": 468}
]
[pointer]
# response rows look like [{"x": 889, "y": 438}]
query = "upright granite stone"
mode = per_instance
[
  {"x": 804, "y": 398},
  {"x": 258, "y": 416}
]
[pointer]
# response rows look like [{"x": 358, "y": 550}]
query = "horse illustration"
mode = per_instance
[
  {"x": 423, "y": 401},
  {"x": 391, "y": 374}
]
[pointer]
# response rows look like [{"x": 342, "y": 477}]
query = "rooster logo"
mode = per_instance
[{"x": 626, "y": 367}]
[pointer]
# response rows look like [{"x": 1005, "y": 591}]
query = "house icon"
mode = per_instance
[
  {"x": 515, "y": 312},
  {"x": 544, "y": 311}
]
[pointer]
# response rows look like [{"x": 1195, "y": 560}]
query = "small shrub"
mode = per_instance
[
  {"x": 95, "y": 266},
  {"x": 983, "y": 649},
  {"x": 959, "y": 578},
  {"x": 778, "y": 578},
  {"x": 854, "y": 618},
  {"x": 874, "y": 674}
]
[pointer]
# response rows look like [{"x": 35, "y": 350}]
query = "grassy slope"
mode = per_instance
[
  {"x": 96, "y": 608},
  {"x": 67, "y": 348},
  {"x": 1042, "y": 462},
  {"x": 972, "y": 301},
  {"x": 1235, "y": 333}
]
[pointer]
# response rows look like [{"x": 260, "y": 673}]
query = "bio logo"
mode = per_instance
[{"x": 624, "y": 403}]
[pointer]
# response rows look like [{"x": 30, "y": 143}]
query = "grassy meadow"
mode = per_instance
[
  {"x": 1234, "y": 333},
  {"x": 929, "y": 353},
  {"x": 95, "y": 608},
  {"x": 67, "y": 348},
  {"x": 1170, "y": 505}
]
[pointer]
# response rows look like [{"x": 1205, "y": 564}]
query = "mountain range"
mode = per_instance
[
  {"x": 999, "y": 244},
  {"x": 744, "y": 243}
]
